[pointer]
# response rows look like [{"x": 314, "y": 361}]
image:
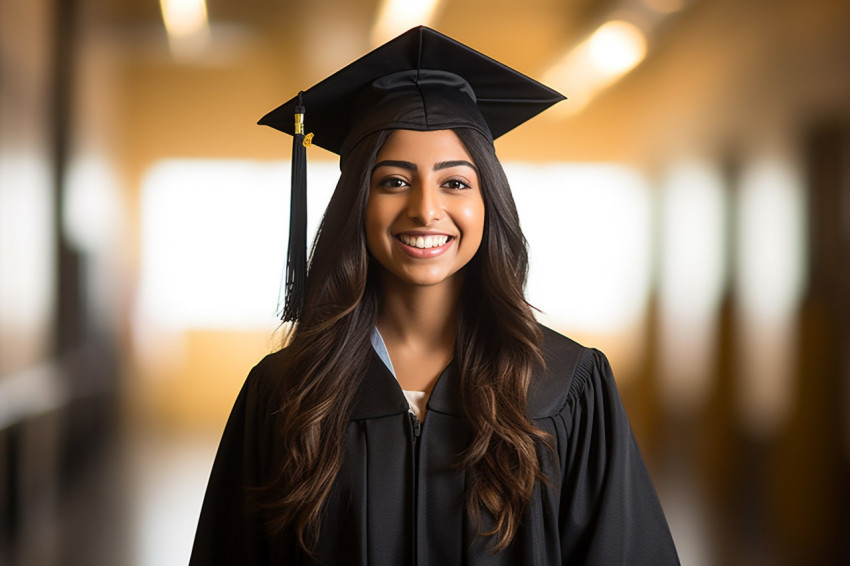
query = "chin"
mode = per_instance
[{"x": 426, "y": 279}]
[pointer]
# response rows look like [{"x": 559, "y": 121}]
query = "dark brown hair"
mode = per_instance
[{"x": 497, "y": 347}]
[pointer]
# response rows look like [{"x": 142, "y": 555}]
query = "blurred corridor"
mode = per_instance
[{"x": 701, "y": 166}]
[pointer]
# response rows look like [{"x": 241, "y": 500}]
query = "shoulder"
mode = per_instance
[
  {"x": 567, "y": 369},
  {"x": 270, "y": 366},
  {"x": 263, "y": 384}
]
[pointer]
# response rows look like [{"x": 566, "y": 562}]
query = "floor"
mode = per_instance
[{"x": 136, "y": 504}]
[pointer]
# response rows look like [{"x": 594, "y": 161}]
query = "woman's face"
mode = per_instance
[{"x": 425, "y": 212}]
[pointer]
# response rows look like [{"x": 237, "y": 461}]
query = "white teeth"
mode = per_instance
[{"x": 424, "y": 242}]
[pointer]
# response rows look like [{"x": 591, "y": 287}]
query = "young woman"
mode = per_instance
[{"x": 419, "y": 414}]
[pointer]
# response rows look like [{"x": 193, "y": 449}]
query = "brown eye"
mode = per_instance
[
  {"x": 393, "y": 183},
  {"x": 456, "y": 184}
]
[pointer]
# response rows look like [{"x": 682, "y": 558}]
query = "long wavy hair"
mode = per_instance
[{"x": 328, "y": 352}]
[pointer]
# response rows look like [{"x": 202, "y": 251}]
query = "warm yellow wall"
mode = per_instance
[{"x": 192, "y": 381}]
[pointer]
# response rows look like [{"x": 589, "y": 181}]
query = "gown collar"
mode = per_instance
[{"x": 380, "y": 395}]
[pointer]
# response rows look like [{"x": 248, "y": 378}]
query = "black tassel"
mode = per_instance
[{"x": 296, "y": 255}]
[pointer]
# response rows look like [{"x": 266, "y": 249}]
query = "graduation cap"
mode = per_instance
[{"x": 421, "y": 80}]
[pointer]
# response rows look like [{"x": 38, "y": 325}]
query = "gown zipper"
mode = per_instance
[
  {"x": 415, "y": 431},
  {"x": 416, "y": 425}
]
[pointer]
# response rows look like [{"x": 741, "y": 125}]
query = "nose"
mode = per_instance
[{"x": 424, "y": 204}]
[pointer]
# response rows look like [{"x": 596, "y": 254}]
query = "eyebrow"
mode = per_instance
[
  {"x": 450, "y": 164},
  {"x": 412, "y": 166},
  {"x": 392, "y": 163}
]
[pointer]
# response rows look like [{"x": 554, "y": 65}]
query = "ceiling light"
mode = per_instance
[
  {"x": 611, "y": 51},
  {"x": 398, "y": 16},
  {"x": 616, "y": 47},
  {"x": 187, "y": 26}
]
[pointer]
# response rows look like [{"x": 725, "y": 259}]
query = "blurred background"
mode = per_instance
[{"x": 688, "y": 211}]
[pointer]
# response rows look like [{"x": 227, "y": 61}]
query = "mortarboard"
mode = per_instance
[{"x": 421, "y": 80}]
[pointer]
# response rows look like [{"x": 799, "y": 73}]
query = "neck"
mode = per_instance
[{"x": 420, "y": 316}]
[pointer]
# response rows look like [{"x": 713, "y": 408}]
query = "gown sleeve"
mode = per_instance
[
  {"x": 229, "y": 529},
  {"x": 610, "y": 512}
]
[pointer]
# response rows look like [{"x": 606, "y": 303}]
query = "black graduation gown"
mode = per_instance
[{"x": 399, "y": 499}]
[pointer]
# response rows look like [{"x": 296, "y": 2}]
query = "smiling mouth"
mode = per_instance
[{"x": 424, "y": 242}]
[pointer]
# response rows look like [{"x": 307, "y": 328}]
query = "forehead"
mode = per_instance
[{"x": 425, "y": 146}]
